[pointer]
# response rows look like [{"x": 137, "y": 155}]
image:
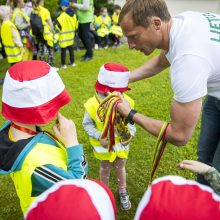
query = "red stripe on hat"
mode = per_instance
[
  {"x": 116, "y": 67},
  {"x": 68, "y": 202},
  {"x": 29, "y": 70},
  {"x": 41, "y": 114},
  {"x": 103, "y": 88}
]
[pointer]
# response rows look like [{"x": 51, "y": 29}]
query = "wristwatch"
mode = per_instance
[{"x": 130, "y": 116}]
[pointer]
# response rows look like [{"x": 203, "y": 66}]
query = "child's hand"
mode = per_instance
[
  {"x": 65, "y": 130},
  {"x": 104, "y": 142},
  {"x": 125, "y": 143},
  {"x": 194, "y": 166}
]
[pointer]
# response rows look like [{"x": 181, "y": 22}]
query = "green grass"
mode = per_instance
[{"x": 152, "y": 98}]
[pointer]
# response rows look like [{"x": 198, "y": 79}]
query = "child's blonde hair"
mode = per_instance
[{"x": 4, "y": 11}]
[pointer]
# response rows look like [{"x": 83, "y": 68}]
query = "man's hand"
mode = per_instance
[
  {"x": 104, "y": 142},
  {"x": 194, "y": 166},
  {"x": 123, "y": 106},
  {"x": 65, "y": 131}
]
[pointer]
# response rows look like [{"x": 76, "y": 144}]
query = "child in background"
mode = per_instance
[
  {"x": 102, "y": 25},
  {"x": 32, "y": 95},
  {"x": 112, "y": 77},
  {"x": 116, "y": 31},
  {"x": 47, "y": 38},
  {"x": 66, "y": 26},
  {"x": 22, "y": 22},
  {"x": 10, "y": 37}
]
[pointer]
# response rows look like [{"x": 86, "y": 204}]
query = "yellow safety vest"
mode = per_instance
[
  {"x": 103, "y": 28},
  {"x": 13, "y": 52},
  {"x": 48, "y": 33},
  {"x": 100, "y": 152},
  {"x": 19, "y": 11},
  {"x": 40, "y": 155},
  {"x": 15, "y": 13},
  {"x": 115, "y": 28},
  {"x": 68, "y": 27}
]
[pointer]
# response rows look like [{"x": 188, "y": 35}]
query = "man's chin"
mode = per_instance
[{"x": 146, "y": 53}]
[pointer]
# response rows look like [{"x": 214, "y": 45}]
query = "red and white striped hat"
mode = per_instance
[
  {"x": 112, "y": 77},
  {"x": 74, "y": 199},
  {"x": 33, "y": 93},
  {"x": 175, "y": 198}
]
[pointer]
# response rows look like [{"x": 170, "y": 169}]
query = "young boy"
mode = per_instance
[
  {"x": 32, "y": 95},
  {"x": 112, "y": 149},
  {"x": 66, "y": 26}
]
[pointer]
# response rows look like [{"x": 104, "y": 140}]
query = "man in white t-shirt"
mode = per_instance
[{"x": 190, "y": 45}]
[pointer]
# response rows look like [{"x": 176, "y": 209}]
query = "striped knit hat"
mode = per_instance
[
  {"x": 173, "y": 197},
  {"x": 74, "y": 199},
  {"x": 33, "y": 93},
  {"x": 112, "y": 77}
]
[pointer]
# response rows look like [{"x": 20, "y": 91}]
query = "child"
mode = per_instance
[
  {"x": 112, "y": 77},
  {"x": 115, "y": 30},
  {"x": 47, "y": 38},
  {"x": 32, "y": 95},
  {"x": 210, "y": 173},
  {"x": 66, "y": 25},
  {"x": 102, "y": 25},
  {"x": 10, "y": 37},
  {"x": 22, "y": 22}
]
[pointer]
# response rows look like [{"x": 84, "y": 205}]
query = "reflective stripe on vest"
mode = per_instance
[
  {"x": 40, "y": 155},
  {"x": 13, "y": 52}
]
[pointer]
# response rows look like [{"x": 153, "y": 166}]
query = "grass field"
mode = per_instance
[{"x": 152, "y": 98}]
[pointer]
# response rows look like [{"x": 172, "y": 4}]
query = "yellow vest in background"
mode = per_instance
[
  {"x": 48, "y": 33},
  {"x": 13, "y": 52},
  {"x": 19, "y": 11},
  {"x": 91, "y": 107},
  {"x": 115, "y": 28},
  {"x": 68, "y": 27},
  {"x": 103, "y": 28},
  {"x": 40, "y": 155}
]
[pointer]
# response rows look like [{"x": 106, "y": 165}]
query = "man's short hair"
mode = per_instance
[{"x": 142, "y": 10}]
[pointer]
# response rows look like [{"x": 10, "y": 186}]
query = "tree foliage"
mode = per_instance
[{"x": 103, "y": 3}]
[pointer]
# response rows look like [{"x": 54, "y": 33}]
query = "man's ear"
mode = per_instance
[{"x": 156, "y": 22}]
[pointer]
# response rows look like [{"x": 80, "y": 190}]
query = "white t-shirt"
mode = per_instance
[{"x": 194, "y": 55}]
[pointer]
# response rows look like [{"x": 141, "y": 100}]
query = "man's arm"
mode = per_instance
[
  {"x": 150, "y": 68},
  {"x": 184, "y": 117}
]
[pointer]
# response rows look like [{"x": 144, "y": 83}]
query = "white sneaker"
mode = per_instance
[
  {"x": 73, "y": 64},
  {"x": 124, "y": 200},
  {"x": 96, "y": 47},
  {"x": 63, "y": 66}
]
